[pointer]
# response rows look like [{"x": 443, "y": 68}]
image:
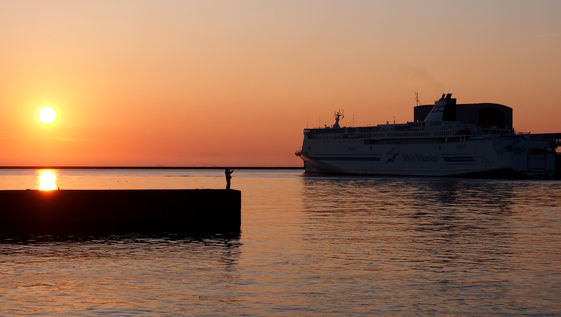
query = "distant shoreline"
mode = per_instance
[{"x": 158, "y": 167}]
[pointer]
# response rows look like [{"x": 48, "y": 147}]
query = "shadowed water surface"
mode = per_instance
[{"x": 309, "y": 245}]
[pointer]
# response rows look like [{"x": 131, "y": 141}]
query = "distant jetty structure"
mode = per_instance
[{"x": 84, "y": 212}]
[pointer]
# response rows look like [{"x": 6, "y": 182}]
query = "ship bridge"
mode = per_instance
[{"x": 485, "y": 115}]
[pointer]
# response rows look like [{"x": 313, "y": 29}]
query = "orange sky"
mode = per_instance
[{"x": 209, "y": 83}]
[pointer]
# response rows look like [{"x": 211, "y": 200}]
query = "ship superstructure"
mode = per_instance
[{"x": 441, "y": 144}]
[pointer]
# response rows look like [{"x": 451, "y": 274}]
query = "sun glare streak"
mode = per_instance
[{"x": 47, "y": 180}]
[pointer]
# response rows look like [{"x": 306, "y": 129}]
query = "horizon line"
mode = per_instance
[{"x": 142, "y": 167}]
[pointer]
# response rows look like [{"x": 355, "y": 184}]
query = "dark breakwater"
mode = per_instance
[{"x": 80, "y": 212}]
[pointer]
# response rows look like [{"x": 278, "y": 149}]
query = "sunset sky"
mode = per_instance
[{"x": 207, "y": 83}]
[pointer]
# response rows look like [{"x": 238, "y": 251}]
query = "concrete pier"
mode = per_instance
[
  {"x": 82, "y": 212},
  {"x": 558, "y": 165}
]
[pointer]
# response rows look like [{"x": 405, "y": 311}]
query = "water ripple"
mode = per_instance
[{"x": 311, "y": 246}]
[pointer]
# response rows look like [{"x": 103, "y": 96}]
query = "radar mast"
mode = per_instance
[{"x": 338, "y": 116}]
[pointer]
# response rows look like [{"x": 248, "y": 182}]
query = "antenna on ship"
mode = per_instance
[
  {"x": 338, "y": 116},
  {"x": 417, "y": 98}
]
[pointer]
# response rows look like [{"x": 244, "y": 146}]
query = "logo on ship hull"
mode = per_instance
[{"x": 392, "y": 157}]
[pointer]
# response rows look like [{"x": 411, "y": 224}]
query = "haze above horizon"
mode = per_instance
[{"x": 201, "y": 83}]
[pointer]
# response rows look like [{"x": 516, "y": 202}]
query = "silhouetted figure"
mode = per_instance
[{"x": 228, "y": 172}]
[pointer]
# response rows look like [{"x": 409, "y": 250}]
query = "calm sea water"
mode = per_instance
[{"x": 309, "y": 246}]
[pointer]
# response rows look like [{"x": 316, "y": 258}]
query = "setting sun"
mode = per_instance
[{"x": 47, "y": 115}]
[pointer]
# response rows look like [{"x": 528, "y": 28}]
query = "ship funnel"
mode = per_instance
[{"x": 443, "y": 110}]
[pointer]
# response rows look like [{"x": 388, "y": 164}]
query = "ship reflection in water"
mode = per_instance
[
  {"x": 440, "y": 244},
  {"x": 47, "y": 180}
]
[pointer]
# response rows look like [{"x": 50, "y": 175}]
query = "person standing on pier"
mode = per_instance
[{"x": 228, "y": 172}]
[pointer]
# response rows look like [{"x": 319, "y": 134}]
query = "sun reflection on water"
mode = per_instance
[{"x": 47, "y": 180}]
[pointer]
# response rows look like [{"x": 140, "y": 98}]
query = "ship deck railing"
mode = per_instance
[{"x": 553, "y": 138}]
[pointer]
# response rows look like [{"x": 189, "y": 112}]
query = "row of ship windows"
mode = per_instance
[
  {"x": 417, "y": 141},
  {"x": 382, "y": 135},
  {"x": 398, "y": 141}
]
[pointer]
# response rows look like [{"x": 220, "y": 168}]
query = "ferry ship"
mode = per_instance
[{"x": 445, "y": 139}]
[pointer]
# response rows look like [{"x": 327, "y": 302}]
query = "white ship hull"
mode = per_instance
[{"x": 349, "y": 156}]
